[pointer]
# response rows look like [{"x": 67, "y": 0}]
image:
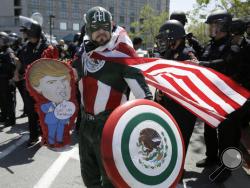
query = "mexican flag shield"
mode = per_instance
[{"x": 142, "y": 146}]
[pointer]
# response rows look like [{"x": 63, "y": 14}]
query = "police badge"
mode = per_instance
[{"x": 142, "y": 146}]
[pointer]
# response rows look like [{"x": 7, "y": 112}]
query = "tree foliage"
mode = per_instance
[
  {"x": 148, "y": 24},
  {"x": 239, "y": 8}
]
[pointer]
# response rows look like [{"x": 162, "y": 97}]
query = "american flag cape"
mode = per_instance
[{"x": 206, "y": 93}]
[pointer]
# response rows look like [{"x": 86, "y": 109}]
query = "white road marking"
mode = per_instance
[{"x": 50, "y": 175}]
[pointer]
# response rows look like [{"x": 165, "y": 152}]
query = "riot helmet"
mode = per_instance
[
  {"x": 4, "y": 39},
  {"x": 180, "y": 16},
  {"x": 30, "y": 27},
  {"x": 169, "y": 33},
  {"x": 238, "y": 26},
  {"x": 219, "y": 21}
]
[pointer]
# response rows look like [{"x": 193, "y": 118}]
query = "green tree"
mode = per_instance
[
  {"x": 148, "y": 25},
  {"x": 239, "y": 8}
]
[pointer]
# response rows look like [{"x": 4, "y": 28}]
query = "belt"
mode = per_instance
[
  {"x": 101, "y": 116},
  {"x": 90, "y": 117}
]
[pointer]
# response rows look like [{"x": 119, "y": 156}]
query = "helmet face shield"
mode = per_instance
[
  {"x": 30, "y": 27},
  {"x": 214, "y": 28},
  {"x": 2, "y": 42},
  {"x": 164, "y": 42},
  {"x": 4, "y": 39},
  {"x": 25, "y": 22},
  {"x": 170, "y": 32},
  {"x": 161, "y": 43}
]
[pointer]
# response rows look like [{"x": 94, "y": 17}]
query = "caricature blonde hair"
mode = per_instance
[{"x": 47, "y": 67}]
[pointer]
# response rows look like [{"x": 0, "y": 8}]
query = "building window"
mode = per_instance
[
  {"x": 63, "y": 8},
  {"x": 122, "y": 19},
  {"x": 17, "y": 12},
  {"x": 158, "y": 5},
  {"x": 63, "y": 26},
  {"x": 49, "y": 8},
  {"x": 17, "y": 3},
  {"x": 132, "y": 19},
  {"x": 76, "y": 9},
  {"x": 111, "y": 10},
  {"x": 122, "y": 7},
  {"x": 34, "y": 5},
  {"x": 76, "y": 26},
  {"x": 141, "y": 20},
  {"x": 132, "y": 29}
]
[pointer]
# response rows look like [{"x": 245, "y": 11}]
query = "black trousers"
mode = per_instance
[
  {"x": 185, "y": 119},
  {"x": 226, "y": 135},
  {"x": 92, "y": 170},
  {"x": 21, "y": 88},
  {"x": 32, "y": 115},
  {"x": 7, "y": 100}
]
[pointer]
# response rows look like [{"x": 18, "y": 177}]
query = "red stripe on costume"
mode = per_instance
[
  {"x": 114, "y": 99},
  {"x": 90, "y": 88}
]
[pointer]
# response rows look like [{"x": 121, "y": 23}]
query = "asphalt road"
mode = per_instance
[{"x": 40, "y": 167}]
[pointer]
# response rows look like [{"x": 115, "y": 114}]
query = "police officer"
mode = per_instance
[
  {"x": 16, "y": 46},
  {"x": 240, "y": 44},
  {"x": 30, "y": 52},
  {"x": 221, "y": 56},
  {"x": 242, "y": 75},
  {"x": 248, "y": 29},
  {"x": 7, "y": 68},
  {"x": 171, "y": 45},
  {"x": 192, "y": 40}
]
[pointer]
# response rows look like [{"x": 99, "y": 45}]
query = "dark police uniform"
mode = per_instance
[
  {"x": 171, "y": 32},
  {"x": 222, "y": 56},
  {"x": 185, "y": 119},
  {"x": 29, "y": 53},
  {"x": 7, "y": 68}
]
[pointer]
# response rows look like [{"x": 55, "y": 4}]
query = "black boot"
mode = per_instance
[
  {"x": 2, "y": 119},
  {"x": 9, "y": 122},
  {"x": 223, "y": 176},
  {"x": 207, "y": 162}
]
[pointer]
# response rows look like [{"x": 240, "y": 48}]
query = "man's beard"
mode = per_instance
[{"x": 102, "y": 39}]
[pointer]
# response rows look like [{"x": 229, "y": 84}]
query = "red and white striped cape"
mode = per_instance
[{"x": 206, "y": 93}]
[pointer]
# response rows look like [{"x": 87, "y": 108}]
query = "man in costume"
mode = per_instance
[{"x": 104, "y": 86}]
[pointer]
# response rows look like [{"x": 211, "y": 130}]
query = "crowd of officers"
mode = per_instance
[
  {"x": 16, "y": 53},
  {"x": 227, "y": 52}
]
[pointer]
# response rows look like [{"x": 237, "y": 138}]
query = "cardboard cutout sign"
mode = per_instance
[
  {"x": 51, "y": 83},
  {"x": 142, "y": 146}
]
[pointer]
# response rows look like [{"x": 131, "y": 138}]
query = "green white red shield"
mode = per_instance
[{"x": 142, "y": 146}]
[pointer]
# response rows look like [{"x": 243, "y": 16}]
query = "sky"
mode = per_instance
[{"x": 181, "y": 5}]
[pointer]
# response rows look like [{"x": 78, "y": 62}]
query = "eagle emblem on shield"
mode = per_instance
[{"x": 152, "y": 148}]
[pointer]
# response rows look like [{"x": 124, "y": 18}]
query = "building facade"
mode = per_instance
[{"x": 68, "y": 14}]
